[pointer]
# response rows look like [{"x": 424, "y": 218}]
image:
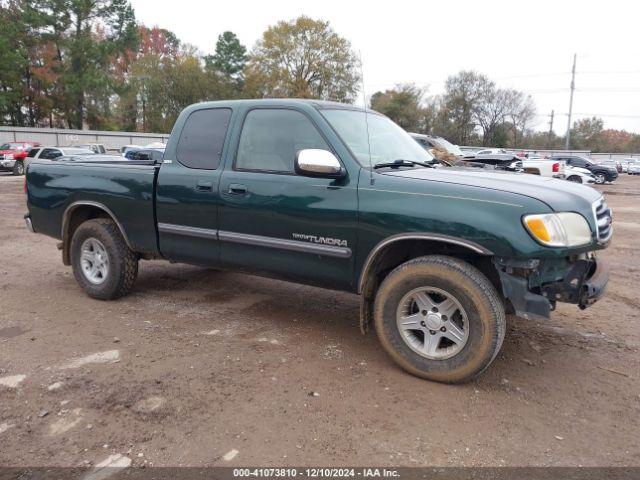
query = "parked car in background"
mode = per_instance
[
  {"x": 625, "y": 163},
  {"x": 612, "y": 163},
  {"x": 470, "y": 151},
  {"x": 127, "y": 148},
  {"x": 602, "y": 173},
  {"x": 633, "y": 167},
  {"x": 490, "y": 151},
  {"x": 154, "y": 154},
  {"x": 95, "y": 147},
  {"x": 53, "y": 153},
  {"x": 498, "y": 161},
  {"x": 12, "y": 155},
  {"x": 544, "y": 167},
  {"x": 579, "y": 175}
]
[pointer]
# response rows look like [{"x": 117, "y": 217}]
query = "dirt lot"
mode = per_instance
[{"x": 200, "y": 367}]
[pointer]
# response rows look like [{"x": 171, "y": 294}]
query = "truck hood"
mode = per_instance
[{"x": 559, "y": 195}]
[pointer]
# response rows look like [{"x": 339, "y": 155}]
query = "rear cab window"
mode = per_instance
[{"x": 202, "y": 138}]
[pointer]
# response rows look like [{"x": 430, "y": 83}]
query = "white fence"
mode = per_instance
[{"x": 62, "y": 137}]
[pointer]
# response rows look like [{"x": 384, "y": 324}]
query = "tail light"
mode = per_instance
[{"x": 556, "y": 167}]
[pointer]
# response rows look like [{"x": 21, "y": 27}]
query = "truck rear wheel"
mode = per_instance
[
  {"x": 103, "y": 264},
  {"x": 440, "y": 318}
]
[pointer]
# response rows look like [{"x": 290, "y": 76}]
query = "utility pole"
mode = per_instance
[
  {"x": 550, "y": 129},
  {"x": 573, "y": 87}
]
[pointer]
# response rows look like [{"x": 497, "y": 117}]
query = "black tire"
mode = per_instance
[
  {"x": 18, "y": 168},
  {"x": 475, "y": 293},
  {"x": 601, "y": 178},
  {"x": 575, "y": 178},
  {"x": 123, "y": 263}
]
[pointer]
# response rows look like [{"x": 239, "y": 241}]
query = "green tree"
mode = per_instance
[
  {"x": 586, "y": 134},
  {"x": 87, "y": 34},
  {"x": 303, "y": 58},
  {"x": 230, "y": 57},
  {"x": 26, "y": 64},
  {"x": 403, "y": 105},
  {"x": 463, "y": 95}
]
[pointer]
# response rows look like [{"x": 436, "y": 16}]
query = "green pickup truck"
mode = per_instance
[{"x": 327, "y": 194}]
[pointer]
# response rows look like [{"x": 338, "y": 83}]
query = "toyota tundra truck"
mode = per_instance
[{"x": 331, "y": 195}]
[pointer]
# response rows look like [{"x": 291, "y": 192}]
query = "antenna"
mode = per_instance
[{"x": 366, "y": 120}]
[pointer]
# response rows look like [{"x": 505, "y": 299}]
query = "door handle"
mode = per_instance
[
  {"x": 204, "y": 187},
  {"x": 237, "y": 189}
]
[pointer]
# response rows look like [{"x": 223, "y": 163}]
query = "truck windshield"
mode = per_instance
[{"x": 387, "y": 141}]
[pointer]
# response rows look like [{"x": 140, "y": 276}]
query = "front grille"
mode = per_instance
[{"x": 604, "y": 217}]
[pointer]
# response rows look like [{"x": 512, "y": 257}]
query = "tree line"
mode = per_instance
[
  {"x": 91, "y": 64},
  {"x": 473, "y": 110}
]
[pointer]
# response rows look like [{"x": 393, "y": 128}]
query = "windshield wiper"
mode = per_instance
[{"x": 402, "y": 163}]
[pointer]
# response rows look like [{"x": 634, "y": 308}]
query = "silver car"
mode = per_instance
[
  {"x": 51, "y": 153},
  {"x": 633, "y": 167}
]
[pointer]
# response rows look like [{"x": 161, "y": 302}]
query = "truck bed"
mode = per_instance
[{"x": 126, "y": 188}]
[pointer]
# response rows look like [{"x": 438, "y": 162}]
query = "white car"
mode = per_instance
[
  {"x": 633, "y": 167},
  {"x": 51, "y": 153},
  {"x": 95, "y": 147},
  {"x": 579, "y": 175},
  {"x": 491, "y": 151}
]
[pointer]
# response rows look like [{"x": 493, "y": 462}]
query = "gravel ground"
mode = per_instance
[{"x": 199, "y": 367}]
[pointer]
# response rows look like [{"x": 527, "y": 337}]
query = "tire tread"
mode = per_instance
[{"x": 486, "y": 290}]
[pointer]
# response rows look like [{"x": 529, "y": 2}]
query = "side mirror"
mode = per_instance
[{"x": 318, "y": 163}]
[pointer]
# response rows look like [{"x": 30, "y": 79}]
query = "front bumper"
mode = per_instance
[
  {"x": 583, "y": 283},
  {"x": 7, "y": 164}
]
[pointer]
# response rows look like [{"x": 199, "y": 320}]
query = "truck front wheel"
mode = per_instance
[
  {"x": 103, "y": 265},
  {"x": 440, "y": 318},
  {"x": 18, "y": 167}
]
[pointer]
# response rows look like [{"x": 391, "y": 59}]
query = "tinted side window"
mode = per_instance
[
  {"x": 202, "y": 138},
  {"x": 271, "y": 138},
  {"x": 50, "y": 153},
  {"x": 32, "y": 153}
]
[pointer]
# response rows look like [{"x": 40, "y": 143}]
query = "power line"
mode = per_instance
[{"x": 611, "y": 115}]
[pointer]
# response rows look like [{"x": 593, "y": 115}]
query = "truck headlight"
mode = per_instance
[
  {"x": 8, "y": 156},
  {"x": 566, "y": 229}
]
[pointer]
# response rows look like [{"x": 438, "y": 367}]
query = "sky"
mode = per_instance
[{"x": 527, "y": 45}]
